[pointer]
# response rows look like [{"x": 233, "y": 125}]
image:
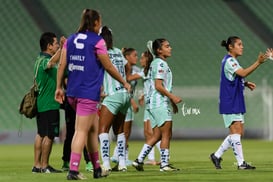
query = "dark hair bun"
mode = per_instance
[{"x": 224, "y": 43}]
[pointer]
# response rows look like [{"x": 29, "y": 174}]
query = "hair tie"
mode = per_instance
[
  {"x": 150, "y": 47},
  {"x": 100, "y": 31}
]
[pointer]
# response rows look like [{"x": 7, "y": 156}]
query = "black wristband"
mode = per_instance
[{"x": 246, "y": 82}]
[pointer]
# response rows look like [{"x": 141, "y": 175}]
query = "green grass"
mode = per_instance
[{"x": 190, "y": 156}]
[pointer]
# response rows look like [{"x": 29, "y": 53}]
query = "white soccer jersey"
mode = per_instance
[
  {"x": 133, "y": 83},
  {"x": 146, "y": 83},
  {"x": 111, "y": 85},
  {"x": 159, "y": 69}
]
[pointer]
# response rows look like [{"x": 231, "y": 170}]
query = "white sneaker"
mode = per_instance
[
  {"x": 75, "y": 176},
  {"x": 106, "y": 169},
  {"x": 100, "y": 173},
  {"x": 122, "y": 168},
  {"x": 119, "y": 168}
]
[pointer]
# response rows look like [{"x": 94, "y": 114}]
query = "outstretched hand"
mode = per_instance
[
  {"x": 262, "y": 57},
  {"x": 269, "y": 53}
]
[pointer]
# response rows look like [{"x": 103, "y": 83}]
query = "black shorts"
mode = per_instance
[{"x": 48, "y": 123}]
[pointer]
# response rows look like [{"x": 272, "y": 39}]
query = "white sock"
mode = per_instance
[
  {"x": 158, "y": 145},
  {"x": 223, "y": 147},
  {"x": 144, "y": 152},
  {"x": 164, "y": 157},
  {"x": 105, "y": 149},
  {"x": 121, "y": 149},
  {"x": 115, "y": 153},
  {"x": 237, "y": 148},
  {"x": 127, "y": 153},
  {"x": 151, "y": 155}
]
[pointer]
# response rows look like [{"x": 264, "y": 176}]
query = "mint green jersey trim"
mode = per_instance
[
  {"x": 111, "y": 85},
  {"x": 231, "y": 66},
  {"x": 159, "y": 69}
]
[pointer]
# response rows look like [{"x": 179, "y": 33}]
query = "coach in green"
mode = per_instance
[{"x": 48, "y": 117}]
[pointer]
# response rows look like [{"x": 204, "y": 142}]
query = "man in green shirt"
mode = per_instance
[{"x": 48, "y": 117}]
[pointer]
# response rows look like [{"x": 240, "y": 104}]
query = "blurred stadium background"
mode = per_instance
[{"x": 194, "y": 28}]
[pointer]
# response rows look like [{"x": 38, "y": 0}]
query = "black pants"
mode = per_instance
[{"x": 70, "y": 117}]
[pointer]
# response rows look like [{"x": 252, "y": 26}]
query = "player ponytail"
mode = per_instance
[
  {"x": 106, "y": 34},
  {"x": 88, "y": 19},
  {"x": 230, "y": 41}
]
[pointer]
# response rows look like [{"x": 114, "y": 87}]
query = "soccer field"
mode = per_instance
[{"x": 190, "y": 156}]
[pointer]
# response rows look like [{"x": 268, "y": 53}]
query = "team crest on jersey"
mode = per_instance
[
  {"x": 160, "y": 71},
  {"x": 234, "y": 64},
  {"x": 161, "y": 65}
]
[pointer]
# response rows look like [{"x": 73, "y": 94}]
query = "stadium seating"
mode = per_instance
[{"x": 194, "y": 28}]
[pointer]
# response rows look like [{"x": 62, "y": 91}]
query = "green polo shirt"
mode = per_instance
[{"x": 46, "y": 80}]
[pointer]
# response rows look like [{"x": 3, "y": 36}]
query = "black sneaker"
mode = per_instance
[
  {"x": 138, "y": 165},
  {"x": 119, "y": 168},
  {"x": 36, "y": 170},
  {"x": 168, "y": 168},
  {"x": 216, "y": 161},
  {"x": 100, "y": 173},
  {"x": 50, "y": 169},
  {"x": 75, "y": 175},
  {"x": 115, "y": 168},
  {"x": 245, "y": 166}
]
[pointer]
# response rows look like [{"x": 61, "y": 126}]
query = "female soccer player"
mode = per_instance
[
  {"x": 231, "y": 100},
  {"x": 158, "y": 98},
  {"x": 86, "y": 57},
  {"x": 145, "y": 62},
  {"x": 130, "y": 54},
  {"x": 114, "y": 105}
]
